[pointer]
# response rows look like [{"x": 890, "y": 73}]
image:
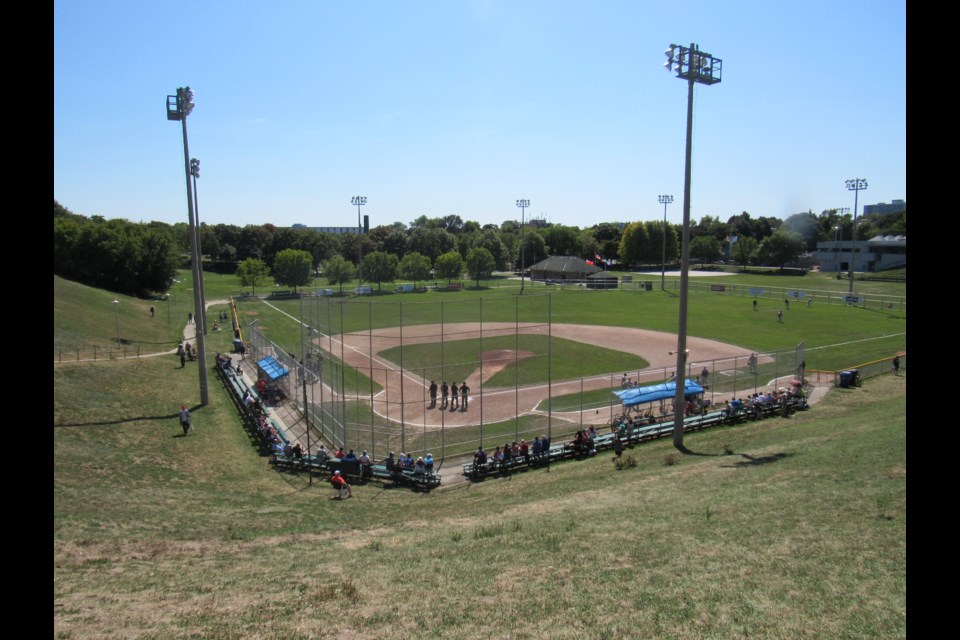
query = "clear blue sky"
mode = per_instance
[{"x": 437, "y": 107}]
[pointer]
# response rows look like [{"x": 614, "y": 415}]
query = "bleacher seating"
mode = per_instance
[{"x": 637, "y": 434}]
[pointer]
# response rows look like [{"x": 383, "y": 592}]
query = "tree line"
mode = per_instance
[{"x": 142, "y": 257}]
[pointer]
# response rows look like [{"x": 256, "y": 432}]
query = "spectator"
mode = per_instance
[
  {"x": 428, "y": 462},
  {"x": 617, "y": 447},
  {"x": 419, "y": 467},
  {"x": 704, "y": 375},
  {"x": 524, "y": 451},
  {"x": 322, "y": 455},
  {"x": 339, "y": 453},
  {"x": 185, "y": 421},
  {"x": 537, "y": 447},
  {"x": 340, "y": 485},
  {"x": 350, "y": 457},
  {"x": 896, "y": 365},
  {"x": 366, "y": 465}
]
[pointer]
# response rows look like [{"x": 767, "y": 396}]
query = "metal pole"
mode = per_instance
[
  {"x": 856, "y": 185},
  {"x": 523, "y": 204},
  {"x": 684, "y": 268},
  {"x": 195, "y": 172},
  {"x": 306, "y": 416},
  {"x": 182, "y": 100},
  {"x": 665, "y": 199},
  {"x": 116, "y": 315}
]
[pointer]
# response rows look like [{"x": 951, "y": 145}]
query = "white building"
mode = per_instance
[{"x": 876, "y": 254}]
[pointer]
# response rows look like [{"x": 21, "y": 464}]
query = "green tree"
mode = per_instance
[
  {"x": 707, "y": 248},
  {"x": 380, "y": 267},
  {"x": 807, "y": 225},
  {"x": 252, "y": 272},
  {"x": 634, "y": 244},
  {"x": 480, "y": 264},
  {"x": 414, "y": 267},
  {"x": 533, "y": 248},
  {"x": 293, "y": 268},
  {"x": 743, "y": 250},
  {"x": 781, "y": 248},
  {"x": 655, "y": 247},
  {"x": 562, "y": 240},
  {"x": 449, "y": 266},
  {"x": 337, "y": 271}
]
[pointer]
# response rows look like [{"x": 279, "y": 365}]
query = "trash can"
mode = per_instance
[{"x": 849, "y": 378}]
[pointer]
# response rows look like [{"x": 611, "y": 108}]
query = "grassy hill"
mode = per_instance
[
  {"x": 799, "y": 531},
  {"x": 781, "y": 528}
]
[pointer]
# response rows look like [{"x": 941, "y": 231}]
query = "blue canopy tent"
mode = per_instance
[
  {"x": 272, "y": 371},
  {"x": 655, "y": 392}
]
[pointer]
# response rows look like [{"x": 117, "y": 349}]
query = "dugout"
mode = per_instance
[
  {"x": 275, "y": 375},
  {"x": 656, "y": 392}
]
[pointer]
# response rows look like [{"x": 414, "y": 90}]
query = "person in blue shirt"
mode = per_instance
[
  {"x": 428, "y": 462},
  {"x": 350, "y": 456}
]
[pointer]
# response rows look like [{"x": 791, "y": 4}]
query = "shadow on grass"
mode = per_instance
[
  {"x": 689, "y": 452},
  {"x": 104, "y": 423},
  {"x": 750, "y": 461}
]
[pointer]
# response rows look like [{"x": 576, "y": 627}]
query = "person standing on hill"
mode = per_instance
[{"x": 185, "y": 421}]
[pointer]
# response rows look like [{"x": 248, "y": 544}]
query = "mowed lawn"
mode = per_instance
[{"x": 782, "y": 528}]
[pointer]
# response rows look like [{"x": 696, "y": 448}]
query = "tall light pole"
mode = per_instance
[
  {"x": 195, "y": 173},
  {"x": 359, "y": 201},
  {"x": 694, "y": 66},
  {"x": 179, "y": 107},
  {"x": 523, "y": 204},
  {"x": 856, "y": 185},
  {"x": 838, "y": 233},
  {"x": 664, "y": 200},
  {"x": 116, "y": 315}
]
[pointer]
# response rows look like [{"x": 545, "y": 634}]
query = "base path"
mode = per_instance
[{"x": 487, "y": 405}]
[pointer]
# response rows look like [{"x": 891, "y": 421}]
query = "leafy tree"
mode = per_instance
[
  {"x": 743, "y": 250},
  {"x": 534, "y": 249},
  {"x": 380, "y": 267},
  {"x": 807, "y": 225},
  {"x": 293, "y": 268},
  {"x": 780, "y": 248},
  {"x": 431, "y": 242},
  {"x": 480, "y": 264},
  {"x": 252, "y": 272},
  {"x": 337, "y": 271},
  {"x": 414, "y": 267},
  {"x": 707, "y": 248},
  {"x": 654, "y": 252},
  {"x": 562, "y": 240},
  {"x": 449, "y": 266},
  {"x": 607, "y": 235},
  {"x": 634, "y": 243}
]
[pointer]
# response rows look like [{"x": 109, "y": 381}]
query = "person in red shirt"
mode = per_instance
[
  {"x": 339, "y": 484},
  {"x": 339, "y": 453}
]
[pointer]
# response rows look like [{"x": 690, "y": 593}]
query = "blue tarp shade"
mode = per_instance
[
  {"x": 272, "y": 368},
  {"x": 655, "y": 392}
]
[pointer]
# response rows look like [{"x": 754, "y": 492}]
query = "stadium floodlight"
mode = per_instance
[
  {"x": 179, "y": 106},
  {"x": 696, "y": 67},
  {"x": 856, "y": 185},
  {"x": 359, "y": 201},
  {"x": 523, "y": 204}
]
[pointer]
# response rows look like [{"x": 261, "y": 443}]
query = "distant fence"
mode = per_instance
[{"x": 98, "y": 353}]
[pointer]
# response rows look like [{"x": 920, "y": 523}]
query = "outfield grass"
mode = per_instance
[{"x": 799, "y": 532}]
